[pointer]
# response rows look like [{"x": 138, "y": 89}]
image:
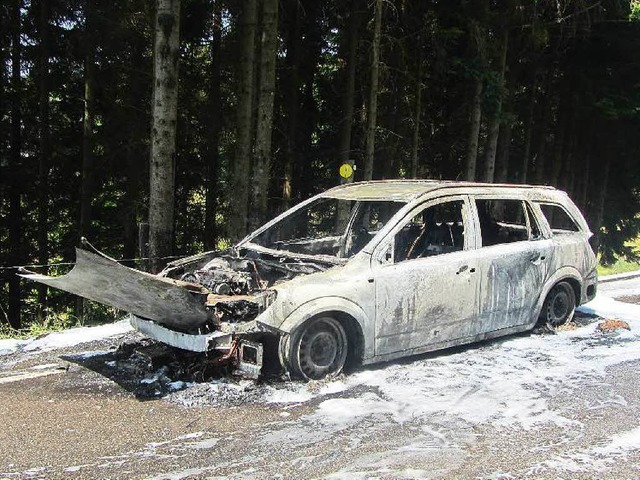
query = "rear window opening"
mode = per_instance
[
  {"x": 505, "y": 221},
  {"x": 558, "y": 219}
]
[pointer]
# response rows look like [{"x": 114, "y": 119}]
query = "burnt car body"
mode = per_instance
[{"x": 364, "y": 272}]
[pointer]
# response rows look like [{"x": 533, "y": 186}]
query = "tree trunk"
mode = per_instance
[
  {"x": 562, "y": 127},
  {"x": 352, "y": 27},
  {"x": 502, "y": 155},
  {"x": 477, "y": 42},
  {"x": 264, "y": 126},
  {"x": 568, "y": 173},
  {"x": 586, "y": 155},
  {"x": 415, "y": 141},
  {"x": 372, "y": 104},
  {"x": 15, "y": 209},
  {"x": 292, "y": 101},
  {"x": 45, "y": 151},
  {"x": 135, "y": 168},
  {"x": 244, "y": 122},
  {"x": 581, "y": 195},
  {"x": 163, "y": 132},
  {"x": 392, "y": 115},
  {"x": 213, "y": 139},
  {"x": 474, "y": 131},
  {"x": 5, "y": 180},
  {"x": 541, "y": 144},
  {"x": 86, "y": 190},
  {"x": 528, "y": 128},
  {"x": 304, "y": 184},
  {"x": 130, "y": 203},
  {"x": 598, "y": 212},
  {"x": 494, "y": 124}
]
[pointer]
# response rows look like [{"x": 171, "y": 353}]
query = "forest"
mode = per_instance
[{"x": 198, "y": 120}]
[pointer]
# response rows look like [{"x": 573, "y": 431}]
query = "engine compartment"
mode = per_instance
[{"x": 239, "y": 282}]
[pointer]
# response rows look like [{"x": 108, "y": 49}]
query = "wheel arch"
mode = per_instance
[
  {"x": 351, "y": 316},
  {"x": 565, "y": 274}
]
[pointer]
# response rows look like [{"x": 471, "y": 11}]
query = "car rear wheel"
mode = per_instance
[
  {"x": 559, "y": 306},
  {"x": 318, "y": 349}
]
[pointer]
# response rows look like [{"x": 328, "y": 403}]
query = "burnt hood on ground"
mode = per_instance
[{"x": 173, "y": 303}]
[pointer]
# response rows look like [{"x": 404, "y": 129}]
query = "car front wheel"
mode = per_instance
[{"x": 317, "y": 349}]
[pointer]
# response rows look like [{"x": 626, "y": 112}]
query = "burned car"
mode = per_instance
[{"x": 364, "y": 272}]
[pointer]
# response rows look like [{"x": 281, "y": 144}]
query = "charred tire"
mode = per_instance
[
  {"x": 559, "y": 306},
  {"x": 317, "y": 349}
]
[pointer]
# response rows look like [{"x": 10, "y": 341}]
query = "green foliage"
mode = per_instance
[
  {"x": 622, "y": 264},
  {"x": 57, "y": 320},
  {"x": 634, "y": 15},
  {"x": 577, "y": 64}
]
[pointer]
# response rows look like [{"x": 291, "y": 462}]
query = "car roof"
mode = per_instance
[{"x": 407, "y": 190}]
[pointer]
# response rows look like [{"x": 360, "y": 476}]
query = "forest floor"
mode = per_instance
[{"x": 98, "y": 403}]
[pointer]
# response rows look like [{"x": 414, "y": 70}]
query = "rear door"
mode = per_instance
[
  {"x": 513, "y": 262},
  {"x": 425, "y": 278}
]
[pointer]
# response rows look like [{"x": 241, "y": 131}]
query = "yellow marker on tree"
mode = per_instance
[{"x": 346, "y": 170}]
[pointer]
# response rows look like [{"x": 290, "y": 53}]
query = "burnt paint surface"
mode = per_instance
[
  {"x": 171, "y": 302},
  {"x": 511, "y": 280},
  {"x": 424, "y": 301}
]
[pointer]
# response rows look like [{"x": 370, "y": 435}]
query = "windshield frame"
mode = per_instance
[{"x": 246, "y": 242}]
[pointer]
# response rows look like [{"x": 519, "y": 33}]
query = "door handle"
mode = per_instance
[
  {"x": 465, "y": 268},
  {"x": 537, "y": 259}
]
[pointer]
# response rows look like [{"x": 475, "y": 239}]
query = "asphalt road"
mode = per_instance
[
  {"x": 628, "y": 289},
  {"x": 530, "y": 406}
]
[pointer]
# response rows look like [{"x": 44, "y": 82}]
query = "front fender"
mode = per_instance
[
  {"x": 563, "y": 273},
  {"x": 322, "y": 305}
]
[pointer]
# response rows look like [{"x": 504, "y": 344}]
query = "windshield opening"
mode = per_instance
[{"x": 329, "y": 226}]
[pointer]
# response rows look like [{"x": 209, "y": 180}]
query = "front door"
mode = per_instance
[{"x": 425, "y": 278}]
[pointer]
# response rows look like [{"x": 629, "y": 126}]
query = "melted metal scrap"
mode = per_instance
[
  {"x": 234, "y": 311},
  {"x": 224, "y": 277}
]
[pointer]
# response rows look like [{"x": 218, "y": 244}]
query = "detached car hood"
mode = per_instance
[{"x": 172, "y": 302}]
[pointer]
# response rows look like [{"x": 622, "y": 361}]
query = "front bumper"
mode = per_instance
[{"x": 246, "y": 355}]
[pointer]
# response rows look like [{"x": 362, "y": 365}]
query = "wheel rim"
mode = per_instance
[
  {"x": 322, "y": 349},
  {"x": 560, "y": 306}
]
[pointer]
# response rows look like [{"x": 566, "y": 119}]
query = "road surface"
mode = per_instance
[{"x": 527, "y": 406}]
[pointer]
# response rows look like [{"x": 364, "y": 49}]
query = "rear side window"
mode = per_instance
[
  {"x": 504, "y": 221},
  {"x": 558, "y": 218}
]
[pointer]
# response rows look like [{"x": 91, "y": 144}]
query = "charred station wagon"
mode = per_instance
[{"x": 364, "y": 272}]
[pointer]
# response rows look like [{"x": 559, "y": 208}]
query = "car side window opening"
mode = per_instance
[
  {"x": 433, "y": 231},
  {"x": 506, "y": 221},
  {"x": 558, "y": 219},
  {"x": 368, "y": 220}
]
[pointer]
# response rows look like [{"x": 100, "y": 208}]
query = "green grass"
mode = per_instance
[
  {"x": 94, "y": 314},
  {"x": 53, "y": 323},
  {"x": 622, "y": 265}
]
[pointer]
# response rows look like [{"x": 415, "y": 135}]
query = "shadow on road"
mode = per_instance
[{"x": 147, "y": 369}]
